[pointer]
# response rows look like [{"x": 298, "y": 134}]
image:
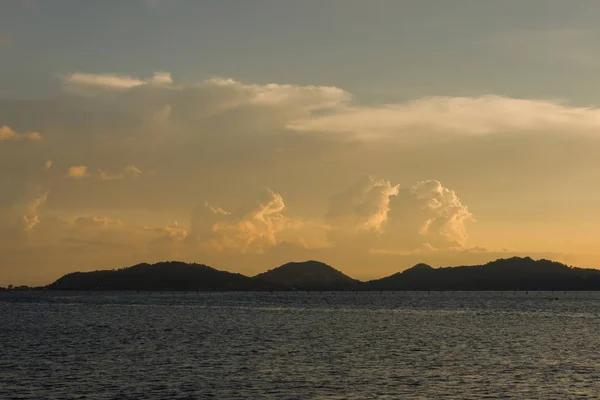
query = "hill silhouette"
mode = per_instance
[
  {"x": 171, "y": 275},
  {"x": 504, "y": 274},
  {"x": 309, "y": 275}
]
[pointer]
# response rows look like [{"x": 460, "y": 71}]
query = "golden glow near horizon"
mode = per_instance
[{"x": 108, "y": 162}]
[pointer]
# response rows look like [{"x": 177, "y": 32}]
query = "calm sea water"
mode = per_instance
[{"x": 300, "y": 345}]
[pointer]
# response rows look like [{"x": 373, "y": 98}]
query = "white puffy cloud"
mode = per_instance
[
  {"x": 7, "y": 133},
  {"x": 456, "y": 115}
]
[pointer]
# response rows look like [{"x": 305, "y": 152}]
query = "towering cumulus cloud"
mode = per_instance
[
  {"x": 446, "y": 215},
  {"x": 256, "y": 230},
  {"x": 376, "y": 214},
  {"x": 362, "y": 208},
  {"x": 253, "y": 231}
]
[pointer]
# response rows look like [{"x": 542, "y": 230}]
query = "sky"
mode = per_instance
[{"x": 370, "y": 135}]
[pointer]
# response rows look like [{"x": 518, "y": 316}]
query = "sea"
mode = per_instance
[{"x": 299, "y": 345}]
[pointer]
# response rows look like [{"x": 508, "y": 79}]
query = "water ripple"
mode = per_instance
[{"x": 299, "y": 345}]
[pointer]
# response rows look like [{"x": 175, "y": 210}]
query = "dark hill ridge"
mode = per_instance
[
  {"x": 309, "y": 275},
  {"x": 504, "y": 274},
  {"x": 161, "y": 276}
]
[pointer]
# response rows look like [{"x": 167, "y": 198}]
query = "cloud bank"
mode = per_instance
[{"x": 457, "y": 115}]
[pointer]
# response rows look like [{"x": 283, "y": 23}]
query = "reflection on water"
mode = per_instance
[{"x": 536, "y": 345}]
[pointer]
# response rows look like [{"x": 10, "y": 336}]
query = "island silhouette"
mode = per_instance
[{"x": 517, "y": 273}]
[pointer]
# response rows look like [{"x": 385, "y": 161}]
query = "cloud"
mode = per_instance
[
  {"x": 82, "y": 171},
  {"x": 254, "y": 231},
  {"x": 161, "y": 78},
  {"x": 82, "y": 83},
  {"x": 130, "y": 171},
  {"x": 172, "y": 234},
  {"x": 225, "y": 103},
  {"x": 361, "y": 208},
  {"x": 78, "y": 172},
  {"x": 446, "y": 214},
  {"x": 31, "y": 217},
  {"x": 309, "y": 97},
  {"x": 108, "y": 81},
  {"x": 225, "y": 92},
  {"x": 97, "y": 222},
  {"x": 456, "y": 115},
  {"x": 178, "y": 131},
  {"x": 216, "y": 210},
  {"x": 379, "y": 216},
  {"x": 20, "y": 216},
  {"x": 7, "y": 133}
]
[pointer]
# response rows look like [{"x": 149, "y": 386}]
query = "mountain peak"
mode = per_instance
[
  {"x": 420, "y": 267},
  {"x": 169, "y": 275},
  {"x": 308, "y": 274},
  {"x": 306, "y": 265}
]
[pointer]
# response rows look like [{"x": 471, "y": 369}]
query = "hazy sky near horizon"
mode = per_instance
[{"x": 367, "y": 134}]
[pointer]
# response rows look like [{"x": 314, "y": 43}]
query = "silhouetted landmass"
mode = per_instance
[
  {"x": 309, "y": 275},
  {"x": 504, "y": 274},
  {"x": 11, "y": 287},
  {"x": 161, "y": 276}
]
